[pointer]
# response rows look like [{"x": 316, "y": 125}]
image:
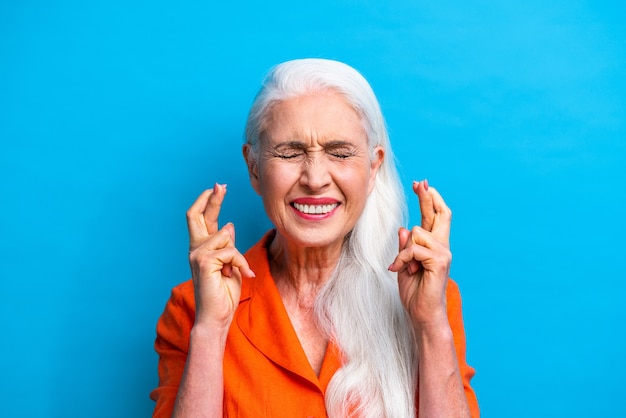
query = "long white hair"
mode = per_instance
[{"x": 359, "y": 307}]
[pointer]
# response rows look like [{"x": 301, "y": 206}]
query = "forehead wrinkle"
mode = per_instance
[
  {"x": 284, "y": 125},
  {"x": 312, "y": 140}
]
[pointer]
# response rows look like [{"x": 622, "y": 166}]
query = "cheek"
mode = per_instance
[
  {"x": 275, "y": 179},
  {"x": 354, "y": 185},
  {"x": 357, "y": 174}
]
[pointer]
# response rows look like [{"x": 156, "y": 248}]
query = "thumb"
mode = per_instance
[
  {"x": 403, "y": 236},
  {"x": 227, "y": 269},
  {"x": 230, "y": 227}
]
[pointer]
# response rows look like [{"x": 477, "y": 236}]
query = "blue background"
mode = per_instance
[{"x": 115, "y": 114}]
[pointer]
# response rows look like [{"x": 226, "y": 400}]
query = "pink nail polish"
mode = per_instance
[{"x": 426, "y": 184}]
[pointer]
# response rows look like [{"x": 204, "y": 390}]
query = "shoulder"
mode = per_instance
[
  {"x": 453, "y": 293},
  {"x": 183, "y": 291},
  {"x": 180, "y": 310},
  {"x": 454, "y": 306}
]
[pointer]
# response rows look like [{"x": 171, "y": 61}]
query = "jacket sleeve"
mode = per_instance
[
  {"x": 172, "y": 345},
  {"x": 455, "y": 317}
]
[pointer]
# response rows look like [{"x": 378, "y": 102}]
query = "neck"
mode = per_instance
[{"x": 300, "y": 272}]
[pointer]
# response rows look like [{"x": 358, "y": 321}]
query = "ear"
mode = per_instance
[
  {"x": 377, "y": 160},
  {"x": 253, "y": 168}
]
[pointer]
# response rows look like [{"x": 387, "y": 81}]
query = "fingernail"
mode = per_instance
[
  {"x": 390, "y": 266},
  {"x": 426, "y": 184}
]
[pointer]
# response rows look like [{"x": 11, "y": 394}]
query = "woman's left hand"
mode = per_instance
[{"x": 423, "y": 262}]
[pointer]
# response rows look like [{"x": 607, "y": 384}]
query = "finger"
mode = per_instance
[
  {"x": 411, "y": 254},
  {"x": 435, "y": 260},
  {"x": 207, "y": 264},
  {"x": 230, "y": 228},
  {"x": 419, "y": 236},
  {"x": 404, "y": 238},
  {"x": 221, "y": 239},
  {"x": 426, "y": 203},
  {"x": 206, "y": 207},
  {"x": 232, "y": 257},
  {"x": 213, "y": 207},
  {"x": 220, "y": 253},
  {"x": 421, "y": 243},
  {"x": 443, "y": 218},
  {"x": 195, "y": 219},
  {"x": 227, "y": 270}
]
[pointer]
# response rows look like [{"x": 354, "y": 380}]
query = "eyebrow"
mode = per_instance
[
  {"x": 337, "y": 143},
  {"x": 290, "y": 144}
]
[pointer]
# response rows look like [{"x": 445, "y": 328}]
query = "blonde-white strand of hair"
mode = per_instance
[{"x": 359, "y": 307}]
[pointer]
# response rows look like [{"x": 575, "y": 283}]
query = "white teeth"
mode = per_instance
[{"x": 315, "y": 209}]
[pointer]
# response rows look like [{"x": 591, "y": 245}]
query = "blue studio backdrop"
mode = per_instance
[{"x": 115, "y": 115}]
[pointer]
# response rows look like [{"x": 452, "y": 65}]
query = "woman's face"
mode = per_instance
[{"x": 314, "y": 170}]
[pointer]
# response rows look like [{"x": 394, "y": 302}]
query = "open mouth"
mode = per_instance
[{"x": 315, "y": 209}]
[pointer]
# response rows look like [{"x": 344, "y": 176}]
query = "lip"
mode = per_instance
[{"x": 315, "y": 201}]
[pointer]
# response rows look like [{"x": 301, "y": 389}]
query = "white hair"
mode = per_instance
[{"x": 359, "y": 307}]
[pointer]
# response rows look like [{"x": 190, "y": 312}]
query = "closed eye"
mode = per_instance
[
  {"x": 341, "y": 155},
  {"x": 289, "y": 155},
  {"x": 288, "y": 150},
  {"x": 340, "y": 152}
]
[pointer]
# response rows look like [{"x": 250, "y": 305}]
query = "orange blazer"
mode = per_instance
[{"x": 266, "y": 373}]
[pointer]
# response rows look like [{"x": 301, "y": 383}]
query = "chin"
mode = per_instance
[{"x": 313, "y": 238}]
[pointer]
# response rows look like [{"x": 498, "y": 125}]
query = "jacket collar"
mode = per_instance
[{"x": 264, "y": 321}]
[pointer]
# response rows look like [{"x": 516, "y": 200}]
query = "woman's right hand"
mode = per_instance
[{"x": 217, "y": 267}]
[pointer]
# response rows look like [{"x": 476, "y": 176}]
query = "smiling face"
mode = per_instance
[{"x": 314, "y": 169}]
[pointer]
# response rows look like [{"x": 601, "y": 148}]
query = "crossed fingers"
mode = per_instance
[
  {"x": 202, "y": 216},
  {"x": 436, "y": 215},
  {"x": 432, "y": 239},
  {"x": 204, "y": 232}
]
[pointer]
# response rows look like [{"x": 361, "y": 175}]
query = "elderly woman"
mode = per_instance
[{"x": 338, "y": 311}]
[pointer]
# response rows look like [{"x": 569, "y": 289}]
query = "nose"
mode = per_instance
[{"x": 315, "y": 174}]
